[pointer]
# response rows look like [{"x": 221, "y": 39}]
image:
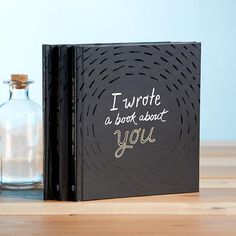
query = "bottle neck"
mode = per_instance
[{"x": 19, "y": 93}]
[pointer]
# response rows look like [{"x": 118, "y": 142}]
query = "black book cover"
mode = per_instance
[
  {"x": 50, "y": 120},
  {"x": 64, "y": 125},
  {"x": 59, "y": 163},
  {"x": 134, "y": 119},
  {"x": 66, "y": 117}
]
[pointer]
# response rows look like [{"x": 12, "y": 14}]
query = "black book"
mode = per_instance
[
  {"x": 50, "y": 108},
  {"x": 121, "y": 120},
  {"x": 59, "y": 166}
]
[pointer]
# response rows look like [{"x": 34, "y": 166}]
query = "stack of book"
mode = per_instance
[{"x": 121, "y": 120}]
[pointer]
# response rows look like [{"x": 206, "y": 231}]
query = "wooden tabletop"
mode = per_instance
[{"x": 212, "y": 211}]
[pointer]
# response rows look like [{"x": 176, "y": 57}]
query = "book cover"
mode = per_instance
[
  {"x": 67, "y": 158},
  {"x": 59, "y": 163},
  {"x": 50, "y": 121},
  {"x": 135, "y": 119}
]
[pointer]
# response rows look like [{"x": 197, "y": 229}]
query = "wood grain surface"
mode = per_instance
[{"x": 212, "y": 211}]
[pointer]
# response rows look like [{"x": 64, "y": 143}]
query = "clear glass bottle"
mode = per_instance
[{"x": 20, "y": 137}]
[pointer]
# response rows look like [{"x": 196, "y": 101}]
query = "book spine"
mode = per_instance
[
  {"x": 78, "y": 121},
  {"x": 50, "y": 76},
  {"x": 64, "y": 123},
  {"x": 72, "y": 109},
  {"x": 45, "y": 63}
]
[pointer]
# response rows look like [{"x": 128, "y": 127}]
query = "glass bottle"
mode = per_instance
[{"x": 20, "y": 137}]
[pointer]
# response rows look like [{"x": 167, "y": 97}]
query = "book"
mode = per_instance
[
  {"x": 121, "y": 120},
  {"x": 57, "y": 107},
  {"x": 67, "y": 159},
  {"x": 50, "y": 118}
]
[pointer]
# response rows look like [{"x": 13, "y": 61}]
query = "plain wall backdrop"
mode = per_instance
[{"x": 25, "y": 25}]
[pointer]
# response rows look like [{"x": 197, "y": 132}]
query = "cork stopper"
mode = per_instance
[{"x": 19, "y": 80}]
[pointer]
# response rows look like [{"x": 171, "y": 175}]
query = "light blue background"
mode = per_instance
[{"x": 26, "y": 24}]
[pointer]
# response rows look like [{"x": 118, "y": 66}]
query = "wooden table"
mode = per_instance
[{"x": 210, "y": 212}]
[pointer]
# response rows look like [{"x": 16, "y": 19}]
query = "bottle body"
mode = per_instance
[{"x": 21, "y": 143}]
